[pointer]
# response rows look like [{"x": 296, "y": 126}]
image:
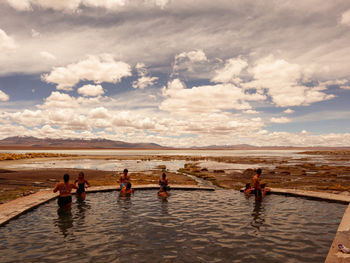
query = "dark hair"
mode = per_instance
[
  {"x": 258, "y": 171},
  {"x": 125, "y": 170},
  {"x": 66, "y": 178},
  {"x": 163, "y": 175},
  {"x": 263, "y": 186},
  {"x": 247, "y": 186},
  {"x": 82, "y": 174},
  {"x": 128, "y": 186}
]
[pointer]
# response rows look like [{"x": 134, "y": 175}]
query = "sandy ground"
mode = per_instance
[{"x": 329, "y": 173}]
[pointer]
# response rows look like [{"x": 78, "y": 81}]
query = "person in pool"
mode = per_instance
[
  {"x": 265, "y": 190},
  {"x": 65, "y": 189},
  {"x": 81, "y": 183},
  {"x": 124, "y": 179},
  {"x": 126, "y": 191},
  {"x": 248, "y": 189},
  {"x": 257, "y": 186},
  {"x": 164, "y": 187}
]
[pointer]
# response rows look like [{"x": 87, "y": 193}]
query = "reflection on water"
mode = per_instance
[
  {"x": 258, "y": 215},
  {"x": 64, "y": 221},
  {"x": 191, "y": 226}
]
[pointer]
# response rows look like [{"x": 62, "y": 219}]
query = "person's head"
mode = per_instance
[
  {"x": 125, "y": 172},
  {"x": 247, "y": 186},
  {"x": 81, "y": 176},
  {"x": 258, "y": 172},
  {"x": 163, "y": 175},
  {"x": 128, "y": 186},
  {"x": 66, "y": 178}
]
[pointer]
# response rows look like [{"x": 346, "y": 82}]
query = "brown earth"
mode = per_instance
[{"x": 308, "y": 176}]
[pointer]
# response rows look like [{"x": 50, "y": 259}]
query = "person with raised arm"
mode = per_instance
[{"x": 65, "y": 189}]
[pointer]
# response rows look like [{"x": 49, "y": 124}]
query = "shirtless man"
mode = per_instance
[
  {"x": 124, "y": 179},
  {"x": 65, "y": 189},
  {"x": 257, "y": 186}
]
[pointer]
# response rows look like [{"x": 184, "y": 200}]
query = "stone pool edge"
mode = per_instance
[{"x": 19, "y": 206}]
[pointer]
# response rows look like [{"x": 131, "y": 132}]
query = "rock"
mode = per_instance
[
  {"x": 345, "y": 193},
  {"x": 162, "y": 167},
  {"x": 53, "y": 180},
  {"x": 219, "y": 171},
  {"x": 249, "y": 173},
  {"x": 204, "y": 169}
]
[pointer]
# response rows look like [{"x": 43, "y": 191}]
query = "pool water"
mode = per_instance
[{"x": 190, "y": 226}]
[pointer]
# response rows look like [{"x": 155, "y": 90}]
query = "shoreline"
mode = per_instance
[{"x": 316, "y": 171}]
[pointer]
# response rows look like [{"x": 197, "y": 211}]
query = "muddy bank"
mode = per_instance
[{"x": 308, "y": 176}]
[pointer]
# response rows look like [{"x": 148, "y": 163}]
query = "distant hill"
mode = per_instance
[{"x": 26, "y": 142}]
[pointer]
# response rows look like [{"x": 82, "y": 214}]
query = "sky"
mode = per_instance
[{"x": 176, "y": 72}]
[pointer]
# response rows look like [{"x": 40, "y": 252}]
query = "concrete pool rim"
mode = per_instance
[{"x": 13, "y": 209}]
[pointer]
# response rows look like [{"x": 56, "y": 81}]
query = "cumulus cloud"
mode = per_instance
[
  {"x": 4, "y": 96},
  {"x": 283, "y": 82},
  {"x": 7, "y": 43},
  {"x": 289, "y": 111},
  {"x": 143, "y": 80},
  {"x": 208, "y": 98},
  {"x": 194, "y": 56},
  {"x": 59, "y": 100},
  {"x": 91, "y": 90},
  {"x": 47, "y": 55},
  {"x": 345, "y": 18},
  {"x": 280, "y": 120},
  {"x": 191, "y": 65},
  {"x": 231, "y": 71},
  {"x": 98, "y": 69}
]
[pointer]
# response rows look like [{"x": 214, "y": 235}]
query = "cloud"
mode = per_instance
[
  {"x": 7, "y": 43},
  {"x": 59, "y": 100},
  {"x": 345, "y": 18},
  {"x": 251, "y": 112},
  {"x": 47, "y": 55},
  {"x": 35, "y": 33},
  {"x": 98, "y": 69},
  {"x": 91, "y": 90},
  {"x": 74, "y": 5},
  {"x": 4, "y": 96},
  {"x": 144, "y": 80},
  {"x": 191, "y": 65},
  {"x": 231, "y": 71},
  {"x": 20, "y": 5},
  {"x": 280, "y": 120},
  {"x": 208, "y": 98},
  {"x": 289, "y": 111},
  {"x": 283, "y": 82},
  {"x": 194, "y": 56}
]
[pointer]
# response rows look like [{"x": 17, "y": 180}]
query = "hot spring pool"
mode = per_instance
[{"x": 191, "y": 226}]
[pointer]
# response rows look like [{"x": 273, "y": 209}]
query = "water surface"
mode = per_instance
[{"x": 221, "y": 226}]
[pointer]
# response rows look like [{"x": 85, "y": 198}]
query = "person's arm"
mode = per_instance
[
  {"x": 160, "y": 182},
  {"x": 74, "y": 186},
  {"x": 87, "y": 183},
  {"x": 56, "y": 188}
]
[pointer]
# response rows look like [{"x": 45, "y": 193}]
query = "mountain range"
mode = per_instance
[{"x": 28, "y": 142}]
